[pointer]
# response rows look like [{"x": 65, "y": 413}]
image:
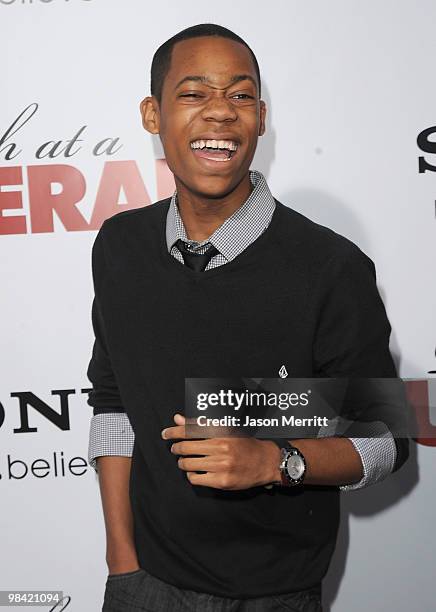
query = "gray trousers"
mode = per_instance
[{"x": 139, "y": 591}]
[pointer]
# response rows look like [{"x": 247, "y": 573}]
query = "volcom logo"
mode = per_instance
[{"x": 283, "y": 372}]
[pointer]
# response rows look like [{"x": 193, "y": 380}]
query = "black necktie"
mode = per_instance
[{"x": 193, "y": 260}]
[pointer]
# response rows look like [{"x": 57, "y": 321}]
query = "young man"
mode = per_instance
[{"x": 222, "y": 280}]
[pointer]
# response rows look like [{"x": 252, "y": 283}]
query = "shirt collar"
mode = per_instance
[{"x": 242, "y": 228}]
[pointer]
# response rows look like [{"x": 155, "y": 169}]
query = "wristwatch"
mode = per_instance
[{"x": 292, "y": 464}]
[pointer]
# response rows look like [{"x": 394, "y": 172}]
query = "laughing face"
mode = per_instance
[{"x": 209, "y": 117}]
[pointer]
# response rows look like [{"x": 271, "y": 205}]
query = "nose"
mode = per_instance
[{"x": 219, "y": 109}]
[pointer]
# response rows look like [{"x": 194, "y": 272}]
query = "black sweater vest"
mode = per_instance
[{"x": 300, "y": 296}]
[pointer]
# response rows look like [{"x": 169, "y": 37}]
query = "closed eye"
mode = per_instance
[{"x": 242, "y": 96}]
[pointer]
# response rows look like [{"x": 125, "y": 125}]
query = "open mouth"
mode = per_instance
[{"x": 215, "y": 150}]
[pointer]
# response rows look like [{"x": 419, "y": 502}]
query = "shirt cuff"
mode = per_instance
[
  {"x": 378, "y": 455},
  {"x": 110, "y": 434}
]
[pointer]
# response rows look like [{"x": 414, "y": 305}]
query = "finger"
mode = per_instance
[
  {"x": 179, "y": 419},
  {"x": 180, "y": 430},
  {"x": 194, "y": 464},
  {"x": 170, "y": 433},
  {"x": 197, "y": 430},
  {"x": 204, "y": 480},
  {"x": 196, "y": 447}
]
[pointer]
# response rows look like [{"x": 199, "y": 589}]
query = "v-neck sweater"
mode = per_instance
[{"x": 301, "y": 296}]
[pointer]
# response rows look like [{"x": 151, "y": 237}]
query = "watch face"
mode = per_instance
[{"x": 295, "y": 467}]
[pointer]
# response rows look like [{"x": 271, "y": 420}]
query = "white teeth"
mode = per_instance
[{"x": 214, "y": 144}]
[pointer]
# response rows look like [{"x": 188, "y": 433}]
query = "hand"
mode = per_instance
[{"x": 230, "y": 463}]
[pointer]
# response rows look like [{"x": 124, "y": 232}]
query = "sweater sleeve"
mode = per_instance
[
  {"x": 110, "y": 431},
  {"x": 104, "y": 396},
  {"x": 352, "y": 340}
]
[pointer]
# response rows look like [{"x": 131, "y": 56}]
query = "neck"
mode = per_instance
[{"x": 202, "y": 215}]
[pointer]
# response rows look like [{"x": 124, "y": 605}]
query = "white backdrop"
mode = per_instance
[{"x": 349, "y": 86}]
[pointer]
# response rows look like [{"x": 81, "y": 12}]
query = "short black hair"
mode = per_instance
[{"x": 162, "y": 58}]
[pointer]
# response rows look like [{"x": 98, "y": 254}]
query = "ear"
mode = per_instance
[
  {"x": 262, "y": 125},
  {"x": 149, "y": 108}
]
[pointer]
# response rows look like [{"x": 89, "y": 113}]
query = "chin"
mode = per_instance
[{"x": 213, "y": 186}]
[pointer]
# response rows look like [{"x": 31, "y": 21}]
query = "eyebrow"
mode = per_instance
[{"x": 202, "y": 79}]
